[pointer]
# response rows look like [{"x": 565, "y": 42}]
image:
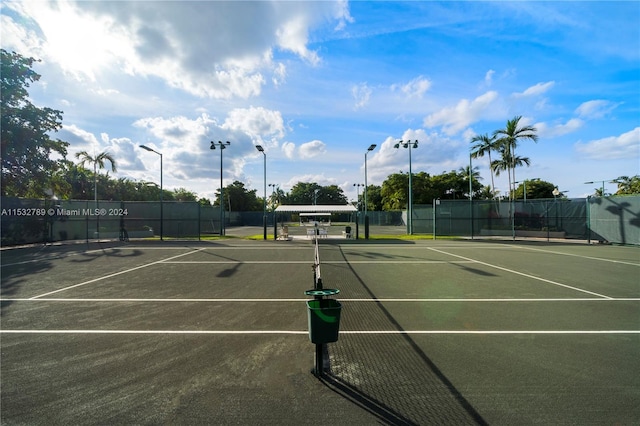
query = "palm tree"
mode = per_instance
[
  {"x": 484, "y": 144},
  {"x": 97, "y": 161},
  {"x": 467, "y": 171},
  {"x": 507, "y": 163},
  {"x": 508, "y": 139}
]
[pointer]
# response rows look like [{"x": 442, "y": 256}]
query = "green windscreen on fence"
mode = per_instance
[{"x": 614, "y": 219}]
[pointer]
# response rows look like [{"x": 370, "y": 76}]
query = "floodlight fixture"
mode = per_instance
[{"x": 409, "y": 144}]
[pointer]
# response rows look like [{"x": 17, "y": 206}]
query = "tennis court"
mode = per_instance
[{"x": 432, "y": 332}]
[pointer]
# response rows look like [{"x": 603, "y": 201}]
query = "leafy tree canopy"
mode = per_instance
[
  {"x": 312, "y": 193},
  {"x": 27, "y": 169},
  {"x": 628, "y": 185},
  {"x": 426, "y": 188},
  {"x": 536, "y": 188},
  {"x": 238, "y": 198}
]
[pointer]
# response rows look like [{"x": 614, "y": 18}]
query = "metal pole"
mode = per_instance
[
  {"x": 221, "y": 195},
  {"x": 471, "y": 194},
  {"x": 588, "y": 221},
  {"x": 161, "y": 203},
  {"x": 161, "y": 191},
  {"x": 264, "y": 204},
  {"x": 410, "y": 219},
  {"x": 365, "y": 184},
  {"x": 366, "y": 222},
  {"x": 435, "y": 203}
]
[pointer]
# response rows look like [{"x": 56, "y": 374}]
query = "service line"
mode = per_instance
[
  {"x": 113, "y": 275},
  {"x": 303, "y": 332},
  {"x": 522, "y": 274}
]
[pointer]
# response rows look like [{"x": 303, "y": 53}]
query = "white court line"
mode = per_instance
[
  {"x": 299, "y": 300},
  {"x": 335, "y": 262},
  {"x": 113, "y": 275},
  {"x": 80, "y": 253},
  {"x": 580, "y": 256},
  {"x": 303, "y": 332},
  {"x": 523, "y": 274}
]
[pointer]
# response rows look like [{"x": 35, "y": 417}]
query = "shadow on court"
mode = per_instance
[{"x": 389, "y": 375}]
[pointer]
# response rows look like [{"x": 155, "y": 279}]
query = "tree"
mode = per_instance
[
  {"x": 98, "y": 162},
  {"x": 26, "y": 146},
  {"x": 312, "y": 193},
  {"x": 628, "y": 185},
  {"x": 182, "y": 194},
  {"x": 238, "y": 198},
  {"x": 507, "y": 140},
  {"x": 476, "y": 186},
  {"x": 536, "y": 189},
  {"x": 374, "y": 198},
  {"x": 484, "y": 144},
  {"x": 395, "y": 191}
]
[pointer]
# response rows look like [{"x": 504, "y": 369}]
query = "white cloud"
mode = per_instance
[
  {"x": 625, "y": 146},
  {"x": 257, "y": 122},
  {"x": 415, "y": 88},
  {"x": 595, "y": 109},
  {"x": 293, "y": 36},
  {"x": 537, "y": 89},
  {"x": 176, "y": 129},
  {"x": 305, "y": 151},
  {"x": 312, "y": 149},
  {"x": 435, "y": 153},
  {"x": 289, "y": 149},
  {"x": 320, "y": 179},
  {"x": 362, "y": 94},
  {"x": 488, "y": 78},
  {"x": 279, "y": 74},
  {"x": 457, "y": 118},
  {"x": 546, "y": 131},
  {"x": 209, "y": 49},
  {"x": 78, "y": 138}
]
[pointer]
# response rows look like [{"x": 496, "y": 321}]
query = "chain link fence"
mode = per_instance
[{"x": 614, "y": 219}]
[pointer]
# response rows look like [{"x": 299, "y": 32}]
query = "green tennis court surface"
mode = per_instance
[{"x": 432, "y": 332}]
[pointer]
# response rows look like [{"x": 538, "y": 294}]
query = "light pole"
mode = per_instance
[
  {"x": 603, "y": 182},
  {"x": 264, "y": 211},
  {"x": 357, "y": 185},
  {"x": 222, "y": 148},
  {"x": 161, "y": 191},
  {"x": 366, "y": 219},
  {"x": 471, "y": 192},
  {"x": 274, "y": 196},
  {"x": 524, "y": 187},
  {"x": 409, "y": 144}
]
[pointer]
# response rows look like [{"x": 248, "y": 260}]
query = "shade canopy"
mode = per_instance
[{"x": 323, "y": 208}]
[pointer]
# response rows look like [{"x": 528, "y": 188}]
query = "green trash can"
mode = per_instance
[{"x": 324, "y": 320}]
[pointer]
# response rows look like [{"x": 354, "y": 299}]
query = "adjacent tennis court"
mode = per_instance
[{"x": 432, "y": 332}]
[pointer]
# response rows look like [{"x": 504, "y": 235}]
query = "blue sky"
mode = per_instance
[{"x": 316, "y": 83}]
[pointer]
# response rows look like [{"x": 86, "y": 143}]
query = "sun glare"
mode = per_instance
[{"x": 80, "y": 43}]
